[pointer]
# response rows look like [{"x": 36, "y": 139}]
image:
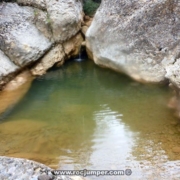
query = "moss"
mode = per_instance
[
  {"x": 36, "y": 12},
  {"x": 90, "y": 7}
]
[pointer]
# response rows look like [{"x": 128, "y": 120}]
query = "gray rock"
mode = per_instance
[
  {"x": 173, "y": 73},
  {"x": 19, "y": 38},
  {"x": 41, "y": 21},
  {"x": 55, "y": 55},
  {"x": 35, "y": 3},
  {"x": 29, "y": 30},
  {"x": 44, "y": 177},
  {"x": 65, "y": 17},
  {"x": 6, "y": 66},
  {"x": 18, "y": 169},
  {"x": 58, "y": 54},
  {"x": 138, "y": 38}
]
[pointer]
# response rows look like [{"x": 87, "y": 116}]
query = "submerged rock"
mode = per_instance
[{"x": 138, "y": 38}]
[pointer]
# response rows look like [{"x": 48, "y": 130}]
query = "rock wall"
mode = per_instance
[
  {"x": 140, "y": 38},
  {"x": 33, "y": 31}
]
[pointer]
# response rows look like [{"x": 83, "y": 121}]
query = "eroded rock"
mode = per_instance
[
  {"x": 34, "y": 3},
  {"x": 65, "y": 18},
  {"x": 21, "y": 169},
  {"x": 38, "y": 31},
  {"x": 6, "y": 66},
  {"x": 20, "y": 39},
  {"x": 138, "y": 38},
  {"x": 42, "y": 22},
  {"x": 73, "y": 45},
  {"x": 55, "y": 55}
]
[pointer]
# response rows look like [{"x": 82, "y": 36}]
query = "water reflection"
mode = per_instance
[{"x": 82, "y": 116}]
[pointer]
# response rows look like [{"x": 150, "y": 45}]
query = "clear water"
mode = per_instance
[{"x": 82, "y": 116}]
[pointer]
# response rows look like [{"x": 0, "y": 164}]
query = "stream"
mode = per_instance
[{"x": 81, "y": 116}]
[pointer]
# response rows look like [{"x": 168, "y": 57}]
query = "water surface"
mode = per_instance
[{"x": 81, "y": 116}]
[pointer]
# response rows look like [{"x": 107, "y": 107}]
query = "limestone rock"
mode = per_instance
[
  {"x": 65, "y": 17},
  {"x": 84, "y": 29},
  {"x": 56, "y": 54},
  {"x": 41, "y": 21},
  {"x": 20, "y": 39},
  {"x": 20, "y": 169},
  {"x": 35, "y": 30},
  {"x": 138, "y": 38},
  {"x": 35, "y": 3},
  {"x": 73, "y": 45},
  {"x": 173, "y": 73},
  {"x": 6, "y": 66}
]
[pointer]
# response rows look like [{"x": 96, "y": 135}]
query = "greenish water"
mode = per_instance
[{"x": 81, "y": 116}]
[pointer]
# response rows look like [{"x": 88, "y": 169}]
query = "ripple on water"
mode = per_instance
[{"x": 83, "y": 117}]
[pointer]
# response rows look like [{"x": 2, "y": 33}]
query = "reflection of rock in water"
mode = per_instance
[{"x": 144, "y": 113}]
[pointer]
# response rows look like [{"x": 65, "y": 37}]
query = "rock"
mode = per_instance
[
  {"x": 20, "y": 39},
  {"x": 38, "y": 30},
  {"x": 44, "y": 177},
  {"x": 73, "y": 46},
  {"x": 88, "y": 23},
  {"x": 65, "y": 17},
  {"x": 84, "y": 29},
  {"x": 83, "y": 44},
  {"x": 23, "y": 169},
  {"x": 34, "y": 3},
  {"x": 56, "y": 54},
  {"x": 176, "y": 149},
  {"x": 87, "y": 18},
  {"x": 138, "y": 38},
  {"x": 41, "y": 21},
  {"x": 6, "y": 66},
  {"x": 173, "y": 73}
]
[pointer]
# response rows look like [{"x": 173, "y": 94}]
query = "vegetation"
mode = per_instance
[{"x": 90, "y": 7}]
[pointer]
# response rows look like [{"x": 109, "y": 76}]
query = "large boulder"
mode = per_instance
[
  {"x": 20, "y": 40},
  {"x": 65, "y": 17},
  {"x": 34, "y": 31},
  {"x": 140, "y": 38}
]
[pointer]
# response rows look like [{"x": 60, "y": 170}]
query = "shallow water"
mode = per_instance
[{"x": 83, "y": 117}]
